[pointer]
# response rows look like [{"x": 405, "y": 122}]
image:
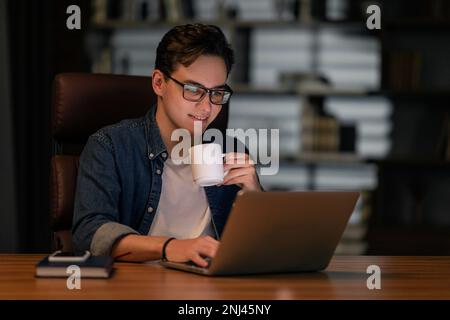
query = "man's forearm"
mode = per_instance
[{"x": 138, "y": 248}]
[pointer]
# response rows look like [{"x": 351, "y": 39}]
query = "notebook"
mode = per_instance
[{"x": 93, "y": 267}]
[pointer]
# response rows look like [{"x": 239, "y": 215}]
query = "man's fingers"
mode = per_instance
[
  {"x": 237, "y": 181},
  {"x": 211, "y": 240},
  {"x": 198, "y": 260},
  {"x": 234, "y": 157},
  {"x": 228, "y": 166},
  {"x": 205, "y": 247},
  {"x": 209, "y": 250},
  {"x": 206, "y": 250},
  {"x": 236, "y": 173}
]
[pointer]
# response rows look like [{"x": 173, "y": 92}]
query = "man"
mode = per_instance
[{"x": 132, "y": 201}]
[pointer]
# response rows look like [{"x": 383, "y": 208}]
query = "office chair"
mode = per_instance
[{"x": 82, "y": 104}]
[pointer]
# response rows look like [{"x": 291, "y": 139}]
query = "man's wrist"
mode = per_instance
[{"x": 164, "y": 248}]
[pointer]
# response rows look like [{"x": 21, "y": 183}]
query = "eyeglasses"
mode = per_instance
[{"x": 195, "y": 93}]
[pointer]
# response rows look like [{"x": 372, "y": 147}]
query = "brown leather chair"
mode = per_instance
[{"x": 82, "y": 104}]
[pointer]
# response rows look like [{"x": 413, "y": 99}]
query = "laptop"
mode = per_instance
[{"x": 275, "y": 232}]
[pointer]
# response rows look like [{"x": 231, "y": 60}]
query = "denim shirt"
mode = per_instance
[{"x": 119, "y": 185}]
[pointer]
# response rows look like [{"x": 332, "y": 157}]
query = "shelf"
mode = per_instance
[
  {"x": 250, "y": 89},
  {"x": 324, "y": 157},
  {"x": 350, "y": 157},
  {"x": 279, "y": 90},
  {"x": 408, "y": 240},
  {"x": 418, "y": 93},
  {"x": 297, "y": 24},
  {"x": 123, "y": 24},
  {"x": 417, "y": 23},
  {"x": 414, "y": 162},
  {"x": 412, "y": 24}
]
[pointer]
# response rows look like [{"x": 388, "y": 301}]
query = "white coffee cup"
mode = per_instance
[{"x": 207, "y": 164}]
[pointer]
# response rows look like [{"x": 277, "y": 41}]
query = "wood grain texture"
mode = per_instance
[{"x": 345, "y": 278}]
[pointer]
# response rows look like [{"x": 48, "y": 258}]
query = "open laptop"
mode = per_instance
[{"x": 272, "y": 232}]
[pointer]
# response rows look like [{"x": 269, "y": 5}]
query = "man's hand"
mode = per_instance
[
  {"x": 192, "y": 250},
  {"x": 241, "y": 171}
]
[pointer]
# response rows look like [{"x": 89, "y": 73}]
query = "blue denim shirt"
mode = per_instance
[{"x": 119, "y": 185}]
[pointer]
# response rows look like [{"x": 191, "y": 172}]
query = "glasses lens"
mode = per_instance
[
  {"x": 220, "y": 96},
  {"x": 193, "y": 93}
]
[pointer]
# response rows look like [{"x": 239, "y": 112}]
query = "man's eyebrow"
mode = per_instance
[{"x": 220, "y": 86}]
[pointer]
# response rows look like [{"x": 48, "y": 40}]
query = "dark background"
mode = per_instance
[
  {"x": 411, "y": 204},
  {"x": 39, "y": 46}
]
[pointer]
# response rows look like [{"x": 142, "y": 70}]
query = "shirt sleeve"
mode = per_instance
[
  {"x": 96, "y": 224},
  {"x": 106, "y": 235}
]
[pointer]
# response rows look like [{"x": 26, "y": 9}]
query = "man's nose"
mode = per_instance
[{"x": 205, "y": 104}]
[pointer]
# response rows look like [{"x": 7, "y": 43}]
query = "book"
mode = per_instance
[
  {"x": 320, "y": 132},
  {"x": 351, "y": 176},
  {"x": 289, "y": 177},
  {"x": 352, "y": 109},
  {"x": 173, "y": 10},
  {"x": 99, "y": 8},
  {"x": 303, "y": 12},
  {"x": 404, "y": 70},
  {"x": 93, "y": 267}
]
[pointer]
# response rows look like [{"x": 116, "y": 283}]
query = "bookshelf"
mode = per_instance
[
  {"x": 416, "y": 174},
  {"x": 389, "y": 73}
]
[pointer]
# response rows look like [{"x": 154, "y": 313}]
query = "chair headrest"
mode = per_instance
[{"x": 83, "y": 103}]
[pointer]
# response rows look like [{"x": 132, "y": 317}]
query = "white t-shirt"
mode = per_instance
[{"x": 183, "y": 211}]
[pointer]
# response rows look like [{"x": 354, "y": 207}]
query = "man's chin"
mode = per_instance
[{"x": 197, "y": 127}]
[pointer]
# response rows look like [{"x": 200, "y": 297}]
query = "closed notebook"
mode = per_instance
[{"x": 93, "y": 267}]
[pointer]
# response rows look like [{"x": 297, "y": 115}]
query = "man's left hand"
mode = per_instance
[{"x": 241, "y": 171}]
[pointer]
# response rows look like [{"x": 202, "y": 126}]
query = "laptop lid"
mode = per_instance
[
  {"x": 283, "y": 231},
  {"x": 270, "y": 232}
]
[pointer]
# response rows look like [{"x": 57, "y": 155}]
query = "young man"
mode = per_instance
[{"x": 132, "y": 201}]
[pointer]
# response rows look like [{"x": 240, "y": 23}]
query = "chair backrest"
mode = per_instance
[{"x": 82, "y": 104}]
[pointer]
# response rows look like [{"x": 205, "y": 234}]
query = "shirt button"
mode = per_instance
[
  {"x": 151, "y": 155},
  {"x": 150, "y": 209},
  {"x": 158, "y": 171},
  {"x": 164, "y": 154}
]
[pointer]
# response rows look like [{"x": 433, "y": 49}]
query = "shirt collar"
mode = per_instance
[{"x": 155, "y": 144}]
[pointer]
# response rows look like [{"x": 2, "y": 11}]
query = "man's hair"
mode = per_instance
[{"x": 184, "y": 44}]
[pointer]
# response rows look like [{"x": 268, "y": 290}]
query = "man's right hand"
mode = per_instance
[{"x": 192, "y": 250}]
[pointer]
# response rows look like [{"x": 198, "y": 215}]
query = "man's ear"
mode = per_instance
[{"x": 158, "y": 82}]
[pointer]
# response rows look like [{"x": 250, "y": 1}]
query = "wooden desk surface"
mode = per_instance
[{"x": 345, "y": 278}]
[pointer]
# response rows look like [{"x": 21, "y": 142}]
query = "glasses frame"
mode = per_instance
[{"x": 207, "y": 91}]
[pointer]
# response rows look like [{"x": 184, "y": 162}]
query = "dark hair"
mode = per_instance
[{"x": 184, "y": 44}]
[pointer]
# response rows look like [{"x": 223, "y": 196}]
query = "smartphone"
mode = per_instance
[{"x": 59, "y": 256}]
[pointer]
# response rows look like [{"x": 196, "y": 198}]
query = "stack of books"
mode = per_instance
[
  {"x": 275, "y": 51},
  {"x": 269, "y": 112},
  {"x": 93, "y": 267},
  {"x": 349, "y": 61},
  {"x": 371, "y": 117}
]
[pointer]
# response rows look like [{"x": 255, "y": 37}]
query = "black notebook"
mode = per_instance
[{"x": 93, "y": 267}]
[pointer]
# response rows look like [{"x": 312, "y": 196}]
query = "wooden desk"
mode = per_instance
[{"x": 345, "y": 278}]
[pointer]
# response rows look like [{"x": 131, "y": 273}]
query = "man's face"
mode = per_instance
[{"x": 207, "y": 71}]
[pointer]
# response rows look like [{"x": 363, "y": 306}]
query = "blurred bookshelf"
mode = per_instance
[{"x": 357, "y": 109}]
